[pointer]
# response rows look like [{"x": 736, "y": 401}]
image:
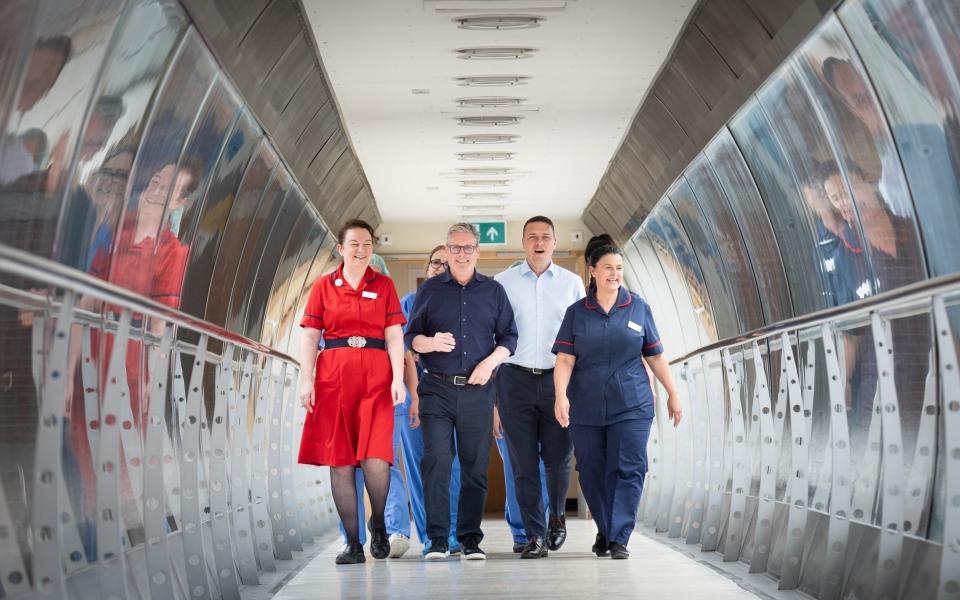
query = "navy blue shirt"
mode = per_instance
[
  {"x": 478, "y": 315},
  {"x": 609, "y": 382}
]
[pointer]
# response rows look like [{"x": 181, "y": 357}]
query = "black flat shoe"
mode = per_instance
[
  {"x": 534, "y": 548},
  {"x": 600, "y": 546},
  {"x": 379, "y": 542},
  {"x": 557, "y": 534},
  {"x": 518, "y": 547},
  {"x": 352, "y": 554},
  {"x": 618, "y": 551}
]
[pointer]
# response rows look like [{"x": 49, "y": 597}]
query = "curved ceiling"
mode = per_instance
[{"x": 397, "y": 67}]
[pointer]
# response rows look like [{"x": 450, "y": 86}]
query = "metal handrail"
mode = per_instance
[
  {"x": 42, "y": 270},
  {"x": 908, "y": 293}
]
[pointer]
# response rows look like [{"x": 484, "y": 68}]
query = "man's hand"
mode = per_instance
[
  {"x": 444, "y": 342},
  {"x": 497, "y": 425},
  {"x": 414, "y": 411},
  {"x": 482, "y": 372}
]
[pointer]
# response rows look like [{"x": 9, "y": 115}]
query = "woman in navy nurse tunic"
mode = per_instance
[{"x": 604, "y": 395}]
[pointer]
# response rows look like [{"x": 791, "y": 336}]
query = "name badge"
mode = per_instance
[
  {"x": 371, "y": 295},
  {"x": 635, "y": 327}
]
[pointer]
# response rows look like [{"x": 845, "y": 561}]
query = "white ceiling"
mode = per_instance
[{"x": 593, "y": 64}]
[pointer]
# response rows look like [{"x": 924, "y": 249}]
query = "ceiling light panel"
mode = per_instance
[
  {"x": 487, "y": 138},
  {"x": 498, "y": 22},
  {"x": 483, "y": 195},
  {"x": 485, "y": 171},
  {"x": 492, "y": 80},
  {"x": 495, "y": 53},
  {"x": 485, "y": 155},
  {"x": 492, "y": 120},
  {"x": 489, "y": 101},
  {"x": 484, "y": 182}
]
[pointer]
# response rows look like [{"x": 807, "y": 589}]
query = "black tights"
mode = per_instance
[{"x": 376, "y": 475}]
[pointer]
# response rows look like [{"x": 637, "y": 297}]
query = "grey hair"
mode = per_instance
[{"x": 464, "y": 228}]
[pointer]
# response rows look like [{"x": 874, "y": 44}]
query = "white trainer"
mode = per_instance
[{"x": 399, "y": 544}]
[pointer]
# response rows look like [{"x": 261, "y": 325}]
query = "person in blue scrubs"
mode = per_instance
[
  {"x": 408, "y": 425},
  {"x": 603, "y": 394}
]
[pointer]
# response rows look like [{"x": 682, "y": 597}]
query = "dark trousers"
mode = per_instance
[
  {"x": 612, "y": 462},
  {"x": 525, "y": 402},
  {"x": 467, "y": 410}
]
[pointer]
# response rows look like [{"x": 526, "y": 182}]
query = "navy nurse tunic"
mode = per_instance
[{"x": 611, "y": 404}]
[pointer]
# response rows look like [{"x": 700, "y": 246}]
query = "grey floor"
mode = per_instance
[{"x": 653, "y": 571}]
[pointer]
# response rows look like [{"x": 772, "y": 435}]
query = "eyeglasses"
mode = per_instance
[
  {"x": 455, "y": 249},
  {"x": 436, "y": 263}
]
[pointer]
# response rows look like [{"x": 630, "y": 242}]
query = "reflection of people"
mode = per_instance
[
  {"x": 462, "y": 326},
  {"x": 539, "y": 292},
  {"x": 412, "y": 435},
  {"x": 603, "y": 394},
  {"x": 349, "y": 390},
  {"x": 47, "y": 60}
]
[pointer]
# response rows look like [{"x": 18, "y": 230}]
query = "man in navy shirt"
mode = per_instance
[{"x": 462, "y": 326}]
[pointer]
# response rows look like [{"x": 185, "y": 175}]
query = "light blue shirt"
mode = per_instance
[{"x": 539, "y": 304}]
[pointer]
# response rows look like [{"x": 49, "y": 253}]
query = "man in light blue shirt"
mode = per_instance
[{"x": 539, "y": 292}]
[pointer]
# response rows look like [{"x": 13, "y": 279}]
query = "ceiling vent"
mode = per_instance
[
  {"x": 498, "y": 22},
  {"x": 495, "y": 53},
  {"x": 488, "y": 101},
  {"x": 487, "y": 138},
  {"x": 484, "y": 182},
  {"x": 494, "y": 121},
  {"x": 485, "y": 171},
  {"x": 485, "y": 155},
  {"x": 492, "y": 80}
]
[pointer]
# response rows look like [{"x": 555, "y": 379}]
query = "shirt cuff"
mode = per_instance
[
  {"x": 312, "y": 322},
  {"x": 395, "y": 318},
  {"x": 562, "y": 346},
  {"x": 653, "y": 349}
]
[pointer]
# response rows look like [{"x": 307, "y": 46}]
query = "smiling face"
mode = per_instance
[
  {"x": 539, "y": 243},
  {"x": 462, "y": 265},
  {"x": 155, "y": 195},
  {"x": 434, "y": 269},
  {"x": 608, "y": 272},
  {"x": 356, "y": 249}
]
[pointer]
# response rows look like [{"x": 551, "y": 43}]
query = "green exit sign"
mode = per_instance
[{"x": 492, "y": 232}]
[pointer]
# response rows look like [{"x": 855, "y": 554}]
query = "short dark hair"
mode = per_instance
[
  {"x": 601, "y": 251},
  {"x": 539, "y": 219},
  {"x": 354, "y": 224},
  {"x": 602, "y": 239}
]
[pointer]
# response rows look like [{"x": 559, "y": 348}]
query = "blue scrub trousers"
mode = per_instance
[{"x": 612, "y": 462}]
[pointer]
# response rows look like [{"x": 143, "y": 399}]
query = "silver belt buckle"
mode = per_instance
[
  {"x": 459, "y": 380},
  {"x": 536, "y": 371},
  {"x": 357, "y": 341}
]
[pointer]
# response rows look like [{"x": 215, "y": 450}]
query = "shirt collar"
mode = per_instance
[
  {"x": 623, "y": 299},
  {"x": 368, "y": 277},
  {"x": 525, "y": 268},
  {"x": 446, "y": 277}
]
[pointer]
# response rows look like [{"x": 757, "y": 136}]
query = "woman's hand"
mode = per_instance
[
  {"x": 561, "y": 410},
  {"x": 397, "y": 391},
  {"x": 414, "y": 411},
  {"x": 674, "y": 410},
  {"x": 307, "y": 399}
]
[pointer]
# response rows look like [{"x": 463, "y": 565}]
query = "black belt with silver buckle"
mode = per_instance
[
  {"x": 458, "y": 380},
  {"x": 355, "y": 341},
  {"x": 531, "y": 369}
]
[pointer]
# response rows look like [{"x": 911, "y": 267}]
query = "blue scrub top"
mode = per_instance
[{"x": 609, "y": 383}]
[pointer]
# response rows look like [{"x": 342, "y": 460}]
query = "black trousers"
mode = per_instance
[
  {"x": 525, "y": 402},
  {"x": 467, "y": 410}
]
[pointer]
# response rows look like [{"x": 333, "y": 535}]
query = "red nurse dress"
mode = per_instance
[{"x": 352, "y": 418}]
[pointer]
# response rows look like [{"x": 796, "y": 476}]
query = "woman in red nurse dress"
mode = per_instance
[{"x": 357, "y": 381}]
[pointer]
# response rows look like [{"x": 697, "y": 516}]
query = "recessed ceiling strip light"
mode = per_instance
[
  {"x": 492, "y": 80},
  {"x": 498, "y": 22},
  {"x": 487, "y": 138},
  {"x": 485, "y": 170},
  {"x": 485, "y": 155},
  {"x": 488, "y": 101},
  {"x": 495, "y": 53},
  {"x": 484, "y": 182},
  {"x": 493, "y": 120}
]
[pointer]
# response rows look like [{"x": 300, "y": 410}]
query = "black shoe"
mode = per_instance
[
  {"x": 471, "y": 550},
  {"x": 518, "y": 547},
  {"x": 534, "y": 548},
  {"x": 352, "y": 554},
  {"x": 438, "y": 549},
  {"x": 557, "y": 534},
  {"x": 600, "y": 546},
  {"x": 618, "y": 551},
  {"x": 379, "y": 542}
]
